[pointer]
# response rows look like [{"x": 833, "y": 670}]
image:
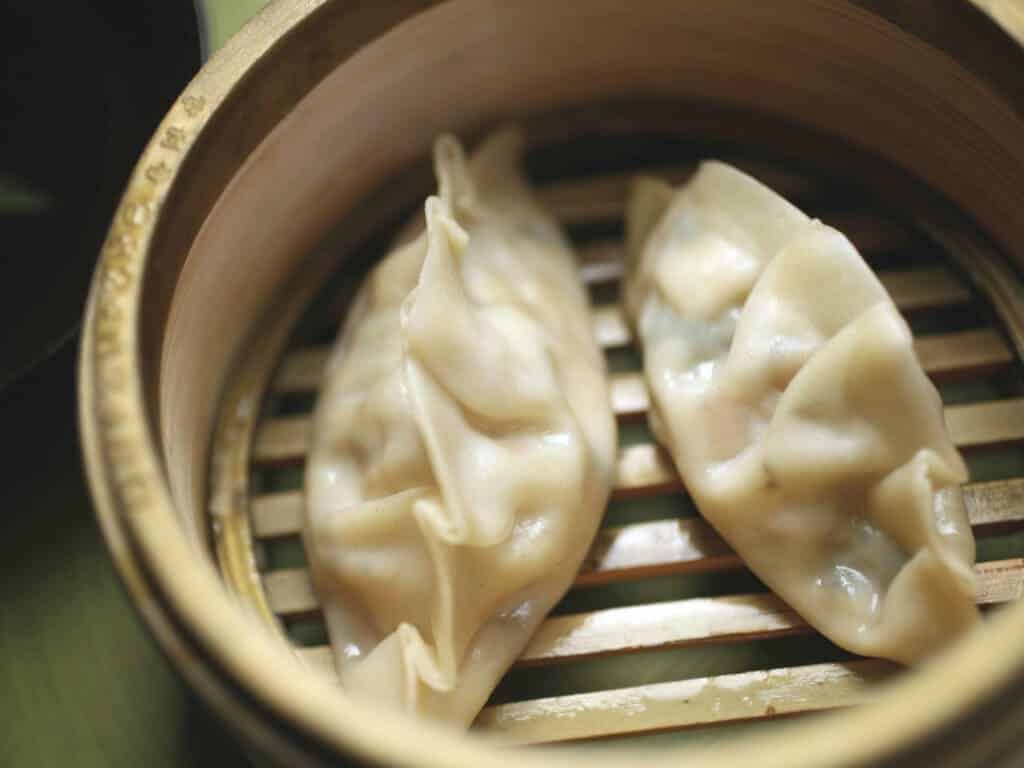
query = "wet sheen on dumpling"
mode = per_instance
[
  {"x": 462, "y": 448},
  {"x": 785, "y": 385}
]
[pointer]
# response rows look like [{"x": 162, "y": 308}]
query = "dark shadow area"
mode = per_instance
[{"x": 82, "y": 86}]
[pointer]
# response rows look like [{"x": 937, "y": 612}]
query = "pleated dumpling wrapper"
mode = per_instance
[
  {"x": 463, "y": 445},
  {"x": 785, "y": 385}
]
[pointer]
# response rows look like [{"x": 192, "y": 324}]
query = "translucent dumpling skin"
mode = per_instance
[
  {"x": 462, "y": 448},
  {"x": 785, "y": 385}
]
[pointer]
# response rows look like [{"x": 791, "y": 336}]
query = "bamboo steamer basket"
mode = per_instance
[{"x": 305, "y": 138}]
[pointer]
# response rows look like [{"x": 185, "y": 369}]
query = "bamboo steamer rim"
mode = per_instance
[{"x": 241, "y": 668}]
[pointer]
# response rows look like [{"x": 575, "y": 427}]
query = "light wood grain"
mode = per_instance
[
  {"x": 997, "y": 505},
  {"x": 658, "y": 548},
  {"x": 966, "y": 353},
  {"x": 990, "y": 423},
  {"x": 943, "y": 356},
  {"x": 646, "y": 468},
  {"x": 283, "y": 440},
  {"x": 920, "y": 289},
  {"x": 670, "y": 706},
  {"x": 690, "y": 545},
  {"x": 684, "y": 704},
  {"x": 702, "y": 620},
  {"x": 290, "y": 592},
  {"x": 912, "y": 290},
  {"x": 276, "y": 514},
  {"x": 1000, "y": 581},
  {"x": 302, "y": 371},
  {"x": 659, "y": 625},
  {"x": 664, "y": 547}
]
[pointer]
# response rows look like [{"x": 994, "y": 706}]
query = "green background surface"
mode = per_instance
[
  {"x": 82, "y": 683},
  {"x": 219, "y": 19}
]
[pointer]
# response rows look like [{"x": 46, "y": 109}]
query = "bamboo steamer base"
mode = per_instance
[
  {"x": 664, "y": 631},
  {"x": 204, "y": 320}
]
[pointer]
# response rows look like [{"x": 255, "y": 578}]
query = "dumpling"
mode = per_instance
[
  {"x": 785, "y": 385},
  {"x": 463, "y": 445}
]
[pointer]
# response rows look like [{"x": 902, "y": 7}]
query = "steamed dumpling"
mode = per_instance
[
  {"x": 785, "y": 385},
  {"x": 463, "y": 445}
]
